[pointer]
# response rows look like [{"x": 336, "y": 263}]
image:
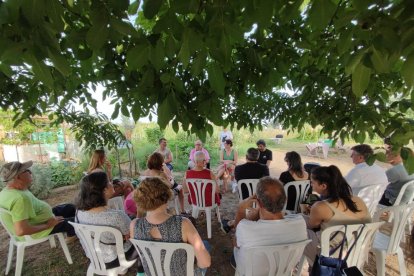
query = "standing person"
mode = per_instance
[
  {"x": 30, "y": 215},
  {"x": 92, "y": 205},
  {"x": 228, "y": 161},
  {"x": 224, "y": 135},
  {"x": 252, "y": 169},
  {"x": 338, "y": 207},
  {"x": 265, "y": 225},
  {"x": 100, "y": 163},
  {"x": 363, "y": 175},
  {"x": 266, "y": 155},
  {"x": 397, "y": 177},
  {"x": 198, "y": 146},
  {"x": 166, "y": 153},
  {"x": 152, "y": 195}
]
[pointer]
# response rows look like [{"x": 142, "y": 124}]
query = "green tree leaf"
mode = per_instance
[
  {"x": 133, "y": 7},
  {"x": 407, "y": 70},
  {"x": 151, "y": 8},
  {"x": 137, "y": 56},
  {"x": 116, "y": 111},
  {"x": 60, "y": 62},
  {"x": 216, "y": 79},
  {"x": 360, "y": 79},
  {"x": 321, "y": 13},
  {"x": 380, "y": 61}
]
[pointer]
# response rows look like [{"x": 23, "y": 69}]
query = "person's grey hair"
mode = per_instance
[
  {"x": 271, "y": 194},
  {"x": 199, "y": 156},
  {"x": 252, "y": 154},
  {"x": 364, "y": 150}
]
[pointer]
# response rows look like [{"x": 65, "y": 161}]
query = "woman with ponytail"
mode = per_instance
[{"x": 338, "y": 207}]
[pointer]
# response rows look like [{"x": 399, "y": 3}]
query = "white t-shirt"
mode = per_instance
[
  {"x": 363, "y": 175},
  {"x": 267, "y": 232},
  {"x": 225, "y": 135}
]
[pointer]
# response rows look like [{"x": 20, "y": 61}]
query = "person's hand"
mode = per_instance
[
  {"x": 53, "y": 221},
  {"x": 108, "y": 165},
  {"x": 248, "y": 202}
]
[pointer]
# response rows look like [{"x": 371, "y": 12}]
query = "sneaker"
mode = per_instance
[{"x": 71, "y": 239}]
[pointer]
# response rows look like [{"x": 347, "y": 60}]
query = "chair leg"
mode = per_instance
[
  {"x": 19, "y": 260},
  {"x": 52, "y": 241},
  {"x": 10, "y": 256},
  {"x": 65, "y": 248},
  {"x": 401, "y": 262},
  {"x": 208, "y": 219},
  {"x": 380, "y": 262},
  {"x": 218, "y": 214},
  {"x": 90, "y": 270},
  {"x": 195, "y": 212}
]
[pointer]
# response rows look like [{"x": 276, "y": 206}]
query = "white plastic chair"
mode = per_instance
[
  {"x": 197, "y": 188},
  {"x": 390, "y": 244},
  {"x": 250, "y": 184},
  {"x": 302, "y": 188},
  {"x": 282, "y": 258},
  {"x": 150, "y": 252},
  {"x": 90, "y": 236},
  {"x": 371, "y": 195},
  {"x": 176, "y": 203},
  {"x": 29, "y": 241},
  {"x": 359, "y": 253}
]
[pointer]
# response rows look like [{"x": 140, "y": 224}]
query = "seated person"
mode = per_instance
[
  {"x": 252, "y": 169},
  {"x": 266, "y": 224},
  {"x": 338, "y": 207},
  {"x": 295, "y": 172},
  {"x": 266, "y": 155},
  {"x": 155, "y": 168},
  {"x": 228, "y": 161},
  {"x": 30, "y": 215},
  {"x": 122, "y": 187},
  {"x": 199, "y": 171},
  {"x": 95, "y": 190},
  {"x": 100, "y": 163},
  {"x": 153, "y": 195},
  {"x": 397, "y": 177},
  {"x": 166, "y": 153},
  {"x": 198, "y": 147}
]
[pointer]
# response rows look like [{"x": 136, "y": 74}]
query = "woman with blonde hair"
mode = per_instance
[
  {"x": 152, "y": 195},
  {"x": 99, "y": 163}
]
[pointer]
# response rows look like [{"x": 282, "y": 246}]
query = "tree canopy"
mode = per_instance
[{"x": 349, "y": 63}]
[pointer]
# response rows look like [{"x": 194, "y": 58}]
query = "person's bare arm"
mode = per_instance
[
  {"x": 169, "y": 159},
  {"x": 319, "y": 212},
  {"x": 213, "y": 177},
  {"x": 191, "y": 236},
  {"x": 23, "y": 227},
  {"x": 221, "y": 156},
  {"x": 268, "y": 162},
  {"x": 132, "y": 228},
  {"x": 241, "y": 210}
]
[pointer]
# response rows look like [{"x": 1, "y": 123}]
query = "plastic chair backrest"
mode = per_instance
[
  {"x": 250, "y": 184},
  {"x": 197, "y": 188},
  {"x": 90, "y": 236},
  {"x": 400, "y": 215},
  {"x": 3, "y": 213},
  {"x": 359, "y": 252},
  {"x": 406, "y": 194},
  {"x": 116, "y": 203},
  {"x": 151, "y": 252},
  {"x": 301, "y": 187},
  {"x": 371, "y": 195},
  {"x": 281, "y": 258}
]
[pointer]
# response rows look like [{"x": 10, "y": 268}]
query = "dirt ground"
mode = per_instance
[{"x": 40, "y": 260}]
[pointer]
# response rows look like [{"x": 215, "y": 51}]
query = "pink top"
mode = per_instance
[
  {"x": 129, "y": 205},
  {"x": 193, "y": 151}
]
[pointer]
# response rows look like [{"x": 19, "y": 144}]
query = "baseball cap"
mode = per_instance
[{"x": 11, "y": 169}]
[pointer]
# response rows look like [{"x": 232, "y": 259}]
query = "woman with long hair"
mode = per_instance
[
  {"x": 152, "y": 195},
  {"x": 228, "y": 161},
  {"x": 99, "y": 163},
  {"x": 92, "y": 208},
  {"x": 156, "y": 168},
  {"x": 338, "y": 207},
  {"x": 295, "y": 172}
]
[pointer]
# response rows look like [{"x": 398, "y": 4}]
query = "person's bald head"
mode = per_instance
[{"x": 271, "y": 194}]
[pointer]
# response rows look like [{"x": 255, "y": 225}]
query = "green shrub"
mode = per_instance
[
  {"x": 42, "y": 180},
  {"x": 64, "y": 173},
  {"x": 153, "y": 134}
]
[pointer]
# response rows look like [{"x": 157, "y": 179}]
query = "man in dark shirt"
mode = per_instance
[
  {"x": 252, "y": 169},
  {"x": 265, "y": 154}
]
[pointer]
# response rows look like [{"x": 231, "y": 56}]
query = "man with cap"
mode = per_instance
[{"x": 30, "y": 215}]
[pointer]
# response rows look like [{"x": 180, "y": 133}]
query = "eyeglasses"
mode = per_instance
[
  {"x": 198, "y": 144},
  {"x": 29, "y": 171}
]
